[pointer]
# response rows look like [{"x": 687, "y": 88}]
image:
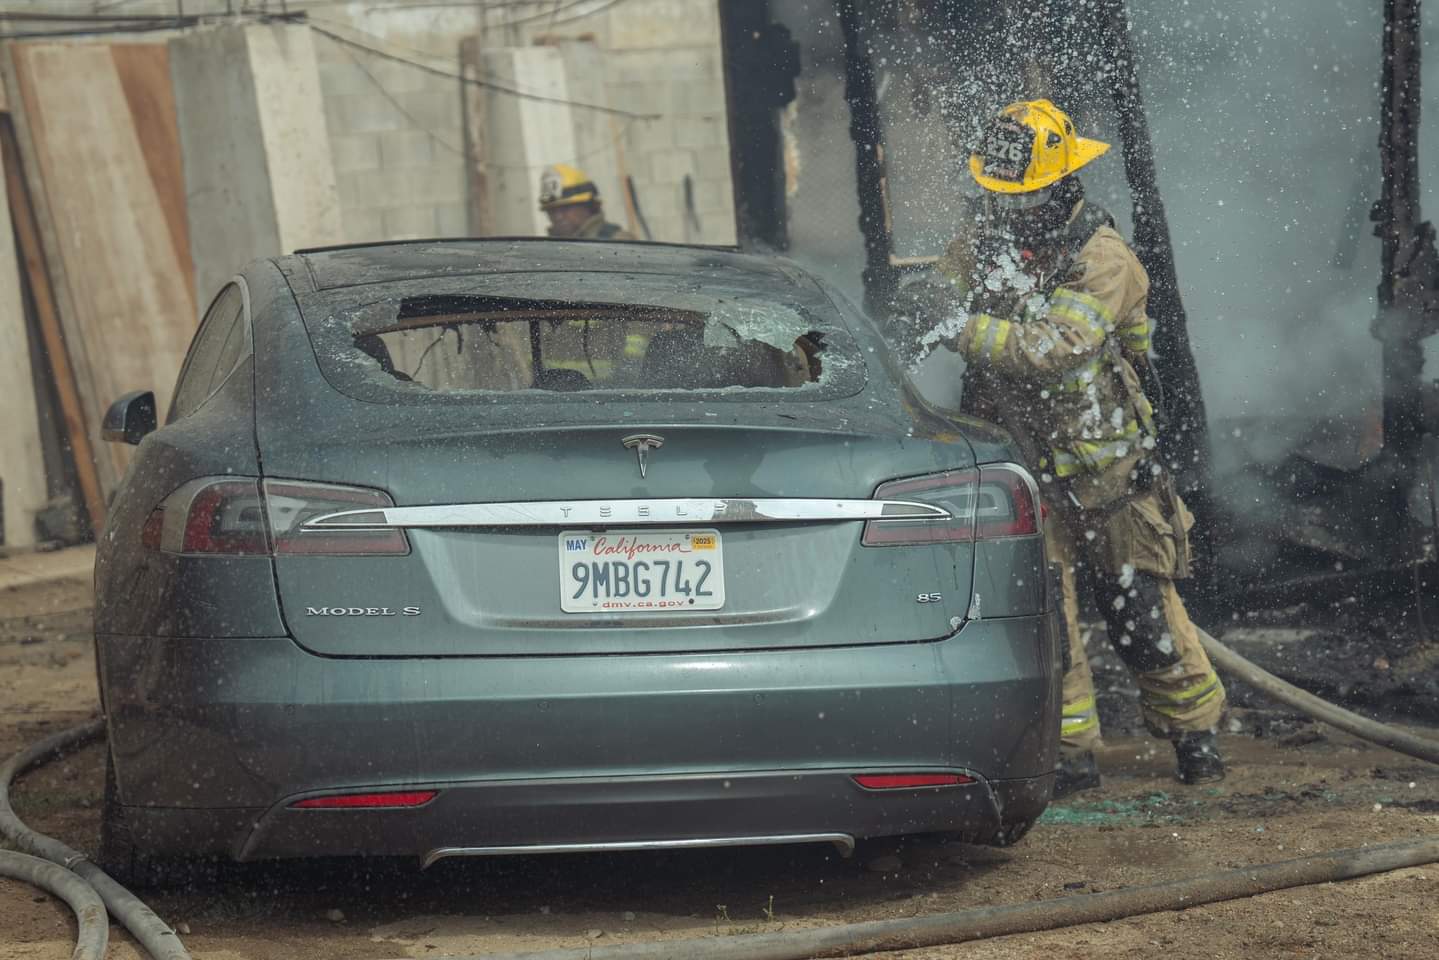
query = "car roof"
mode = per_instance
[{"x": 330, "y": 268}]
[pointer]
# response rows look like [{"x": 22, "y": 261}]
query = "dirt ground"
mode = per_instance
[{"x": 1295, "y": 788}]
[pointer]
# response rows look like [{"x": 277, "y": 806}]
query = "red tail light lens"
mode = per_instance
[
  {"x": 154, "y": 529},
  {"x": 909, "y": 781},
  {"x": 370, "y": 801},
  {"x": 211, "y": 515},
  {"x": 1008, "y": 503},
  {"x": 290, "y": 503},
  {"x": 244, "y": 516},
  {"x": 225, "y": 517},
  {"x": 998, "y": 500}
]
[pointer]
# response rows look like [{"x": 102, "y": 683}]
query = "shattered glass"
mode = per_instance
[{"x": 594, "y": 334}]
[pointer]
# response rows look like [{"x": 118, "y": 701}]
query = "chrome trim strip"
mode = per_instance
[
  {"x": 626, "y": 513},
  {"x": 843, "y": 841}
]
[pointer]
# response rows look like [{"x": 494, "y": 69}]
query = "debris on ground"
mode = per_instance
[{"x": 1278, "y": 801}]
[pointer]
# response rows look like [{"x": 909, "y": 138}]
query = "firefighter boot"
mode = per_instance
[
  {"x": 1199, "y": 759},
  {"x": 1077, "y": 770}
]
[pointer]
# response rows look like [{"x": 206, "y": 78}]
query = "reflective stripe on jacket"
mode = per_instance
[{"x": 1065, "y": 364}]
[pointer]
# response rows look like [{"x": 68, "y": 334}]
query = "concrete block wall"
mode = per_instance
[
  {"x": 259, "y": 179},
  {"x": 525, "y": 135},
  {"x": 398, "y": 153},
  {"x": 598, "y": 144},
  {"x": 397, "y": 132},
  {"x": 663, "y": 57}
]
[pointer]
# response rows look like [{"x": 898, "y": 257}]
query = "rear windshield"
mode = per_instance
[{"x": 650, "y": 334}]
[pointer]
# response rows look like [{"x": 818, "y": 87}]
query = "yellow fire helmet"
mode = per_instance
[
  {"x": 1029, "y": 146},
  {"x": 562, "y": 185}
]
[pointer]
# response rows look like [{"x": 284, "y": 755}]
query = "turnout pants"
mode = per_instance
[{"x": 1129, "y": 557}]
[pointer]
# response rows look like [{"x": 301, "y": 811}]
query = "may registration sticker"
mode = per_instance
[{"x": 621, "y": 571}]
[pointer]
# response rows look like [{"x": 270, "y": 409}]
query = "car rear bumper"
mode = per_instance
[
  {"x": 489, "y": 819},
  {"x": 214, "y": 740}
]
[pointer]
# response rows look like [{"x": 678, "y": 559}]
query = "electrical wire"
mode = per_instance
[
  {"x": 177, "y": 24},
  {"x": 399, "y": 49},
  {"x": 588, "y": 13},
  {"x": 477, "y": 82},
  {"x": 400, "y": 107},
  {"x": 389, "y": 47},
  {"x": 43, "y": 17},
  {"x": 417, "y": 124},
  {"x": 560, "y": 7},
  {"x": 106, "y": 26},
  {"x": 477, "y": 5},
  {"x": 384, "y": 43}
]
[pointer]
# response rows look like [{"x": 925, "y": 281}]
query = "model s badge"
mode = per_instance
[
  {"x": 362, "y": 612},
  {"x": 642, "y": 444}
]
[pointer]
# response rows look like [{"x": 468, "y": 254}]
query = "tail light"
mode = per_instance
[
  {"x": 290, "y": 503},
  {"x": 210, "y": 515},
  {"x": 243, "y": 516},
  {"x": 987, "y": 503}
]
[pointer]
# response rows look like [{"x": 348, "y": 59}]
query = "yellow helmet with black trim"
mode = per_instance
[
  {"x": 1030, "y": 145},
  {"x": 562, "y": 185}
]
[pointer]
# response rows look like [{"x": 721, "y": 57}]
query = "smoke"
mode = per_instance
[
  {"x": 1265, "y": 126},
  {"x": 1264, "y": 119}
]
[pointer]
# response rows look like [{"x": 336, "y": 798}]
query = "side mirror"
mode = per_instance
[{"x": 131, "y": 418}]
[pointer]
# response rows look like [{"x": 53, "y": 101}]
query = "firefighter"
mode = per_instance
[
  {"x": 572, "y": 201},
  {"x": 1056, "y": 349}
]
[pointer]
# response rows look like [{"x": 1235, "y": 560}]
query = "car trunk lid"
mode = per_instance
[{"x": 496, "y": 521}]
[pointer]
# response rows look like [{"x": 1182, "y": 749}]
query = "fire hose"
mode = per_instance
[
  {"x": 92, "y": 924},
  {"x": 840, "y": 940},
  {"x": 1400, "y": 741},
  {"x": 152, "y": 933}
]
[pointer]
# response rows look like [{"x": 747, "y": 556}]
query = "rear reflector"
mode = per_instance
[
  {"x": 903, "y": 781},
  {"x": 350, "y": 801},
  {"x": 994, "y": 501}
]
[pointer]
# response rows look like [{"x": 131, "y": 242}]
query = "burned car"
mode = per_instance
[{"x": 465, "y": 548}]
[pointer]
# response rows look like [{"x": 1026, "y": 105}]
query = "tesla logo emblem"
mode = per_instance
[{"x": 642, "y": 444}]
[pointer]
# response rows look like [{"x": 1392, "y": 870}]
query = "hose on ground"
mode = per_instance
[
  {"x": 857, "y": 938},
  {"x": 1225, "y": 659},
  {"x": 92, "y": 924},
  {"x": 985, "y": 922},
  {"x": 152, "y": 933},
  {"x": 876, "y": 936}
]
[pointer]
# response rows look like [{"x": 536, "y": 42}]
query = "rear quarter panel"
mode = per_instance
[{"x": 144, "y": 593}]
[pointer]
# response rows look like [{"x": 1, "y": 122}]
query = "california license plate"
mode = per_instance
[{"x": 622, "y": 571}]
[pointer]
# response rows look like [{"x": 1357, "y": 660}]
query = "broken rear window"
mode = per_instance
[{"x": 511, "y": 340}]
